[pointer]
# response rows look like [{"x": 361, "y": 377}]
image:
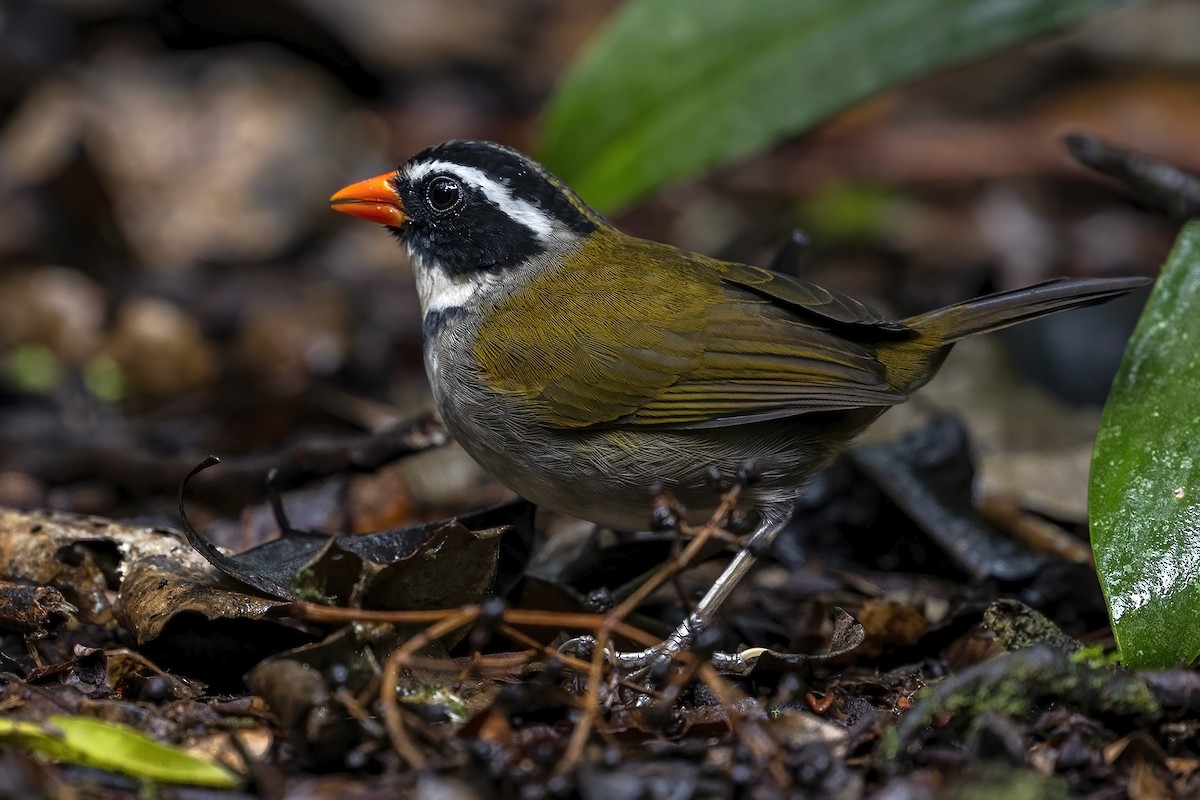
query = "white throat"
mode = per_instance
[
  {"x": 441, "y": 290},
  {"x": 438, "y": 290}
]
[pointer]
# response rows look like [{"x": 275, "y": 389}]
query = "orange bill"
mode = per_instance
[{"x": 374, "y": 199}]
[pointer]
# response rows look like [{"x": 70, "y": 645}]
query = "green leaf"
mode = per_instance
[
  {"x": 674, "y": 86},
  {"x": 1144, "y": 499},
  {"x": 114, "y": 747}
]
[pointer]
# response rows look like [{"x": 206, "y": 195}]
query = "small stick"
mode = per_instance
[
  {"x": 401, "y": 741},
  {"x": 1159, "y": 182},
  {"x": 617, "y": 615}
]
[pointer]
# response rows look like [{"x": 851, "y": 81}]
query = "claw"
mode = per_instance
[{"x": 580, "y": 646}]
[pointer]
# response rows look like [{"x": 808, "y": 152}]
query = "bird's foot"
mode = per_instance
[
  {"x": 696, "y": 633},
  {"x": 650, "y": 665}
]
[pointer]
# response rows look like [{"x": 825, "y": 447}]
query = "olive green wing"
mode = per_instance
[
  {"x": 811, "y": 301},
  {"x": 762, "y": 361},
  {"x": 634, "y": 345}
]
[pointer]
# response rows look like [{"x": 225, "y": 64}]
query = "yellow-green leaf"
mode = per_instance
[
  {"x": 1144, "y": 499},
  {"x": 114, "y": 747}
]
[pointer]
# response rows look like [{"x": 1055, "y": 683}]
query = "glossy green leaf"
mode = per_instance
[
  {"x": 672, "y": 87},
  {"x": 1144, "y": 500},
  {"x": 113, "y": 747}
]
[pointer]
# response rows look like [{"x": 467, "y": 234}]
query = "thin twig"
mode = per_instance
[
  {"x": 701, "y": 538},
  {"x": 315, "y": 612},
  {"x": 401, "y": 741},
  {"x": 577, "y": 664},
  {"x": 443, "y": 621},
  {"x": 749, "y": 730},
  {"x": 591, "y": 709},
  {"x": 1153, "y": 180},
  {"x": 357, "y": 711}
]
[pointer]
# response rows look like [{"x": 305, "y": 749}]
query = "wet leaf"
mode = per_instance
[
  {"x": 63, "y": 551},
  {"x": 444, "y": 563},
  {"x": 274, "y": 568},
  {"x": 449, "y": 566},
  {"x": 166, "y": 592},
  {"x": 29, "y": 609},
  {"x": 1144, "y": 501},
  {"x": 672, "y": 88},
  {"x": 159, "y": 588},
  {"x": 432, "y": 565},
  {"x": 847, "y": 635},
  {"x": 128, "y": 673},
  {"x": 113, "y": 747},
  {"x": 887, "y": 623},
  {"x": 195, "y": 621},
  {"x": 1016, "y": 625}
]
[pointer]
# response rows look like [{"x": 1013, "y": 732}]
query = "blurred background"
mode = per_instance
[{"x": 173, "y": 283}]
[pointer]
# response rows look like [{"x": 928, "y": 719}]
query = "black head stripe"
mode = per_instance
[
  {"x": 525, "y": 178},
  {"x": 484, "y": 239}
]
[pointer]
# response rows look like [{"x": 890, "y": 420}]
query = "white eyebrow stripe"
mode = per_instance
[{"x": 522, "y": 211}]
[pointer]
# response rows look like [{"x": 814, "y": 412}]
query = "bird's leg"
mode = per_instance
[{"x": 772, "y": 520}]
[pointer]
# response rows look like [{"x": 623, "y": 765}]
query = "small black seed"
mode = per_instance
[
  {"x": 533, "y": 791},
  {"x": 552, "y": 671},
  {"x": 600, "y": 601},
  {"x": 355, "y": 759},
  {"x": 742, "y": 774},
  {"x": 715, "y": 480},
  {"x": 337, "y": 674},
  {"x": 492, "y": 610},
  {"x": 748, "y": 473},
  {"x": 559, "y": 786},
  {"x": 544, "y": 753},
  {"x": 156, "y": 689}
]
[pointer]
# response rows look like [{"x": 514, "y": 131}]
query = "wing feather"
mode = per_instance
[{"x": 627, "y": 347}]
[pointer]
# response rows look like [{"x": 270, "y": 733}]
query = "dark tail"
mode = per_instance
[{"x": 952, "y": 323}]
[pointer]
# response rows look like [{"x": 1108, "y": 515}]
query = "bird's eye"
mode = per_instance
[{"x": 443, "y": 194}]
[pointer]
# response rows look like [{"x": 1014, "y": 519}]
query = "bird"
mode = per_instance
[{"x": 589, "y": 370}]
